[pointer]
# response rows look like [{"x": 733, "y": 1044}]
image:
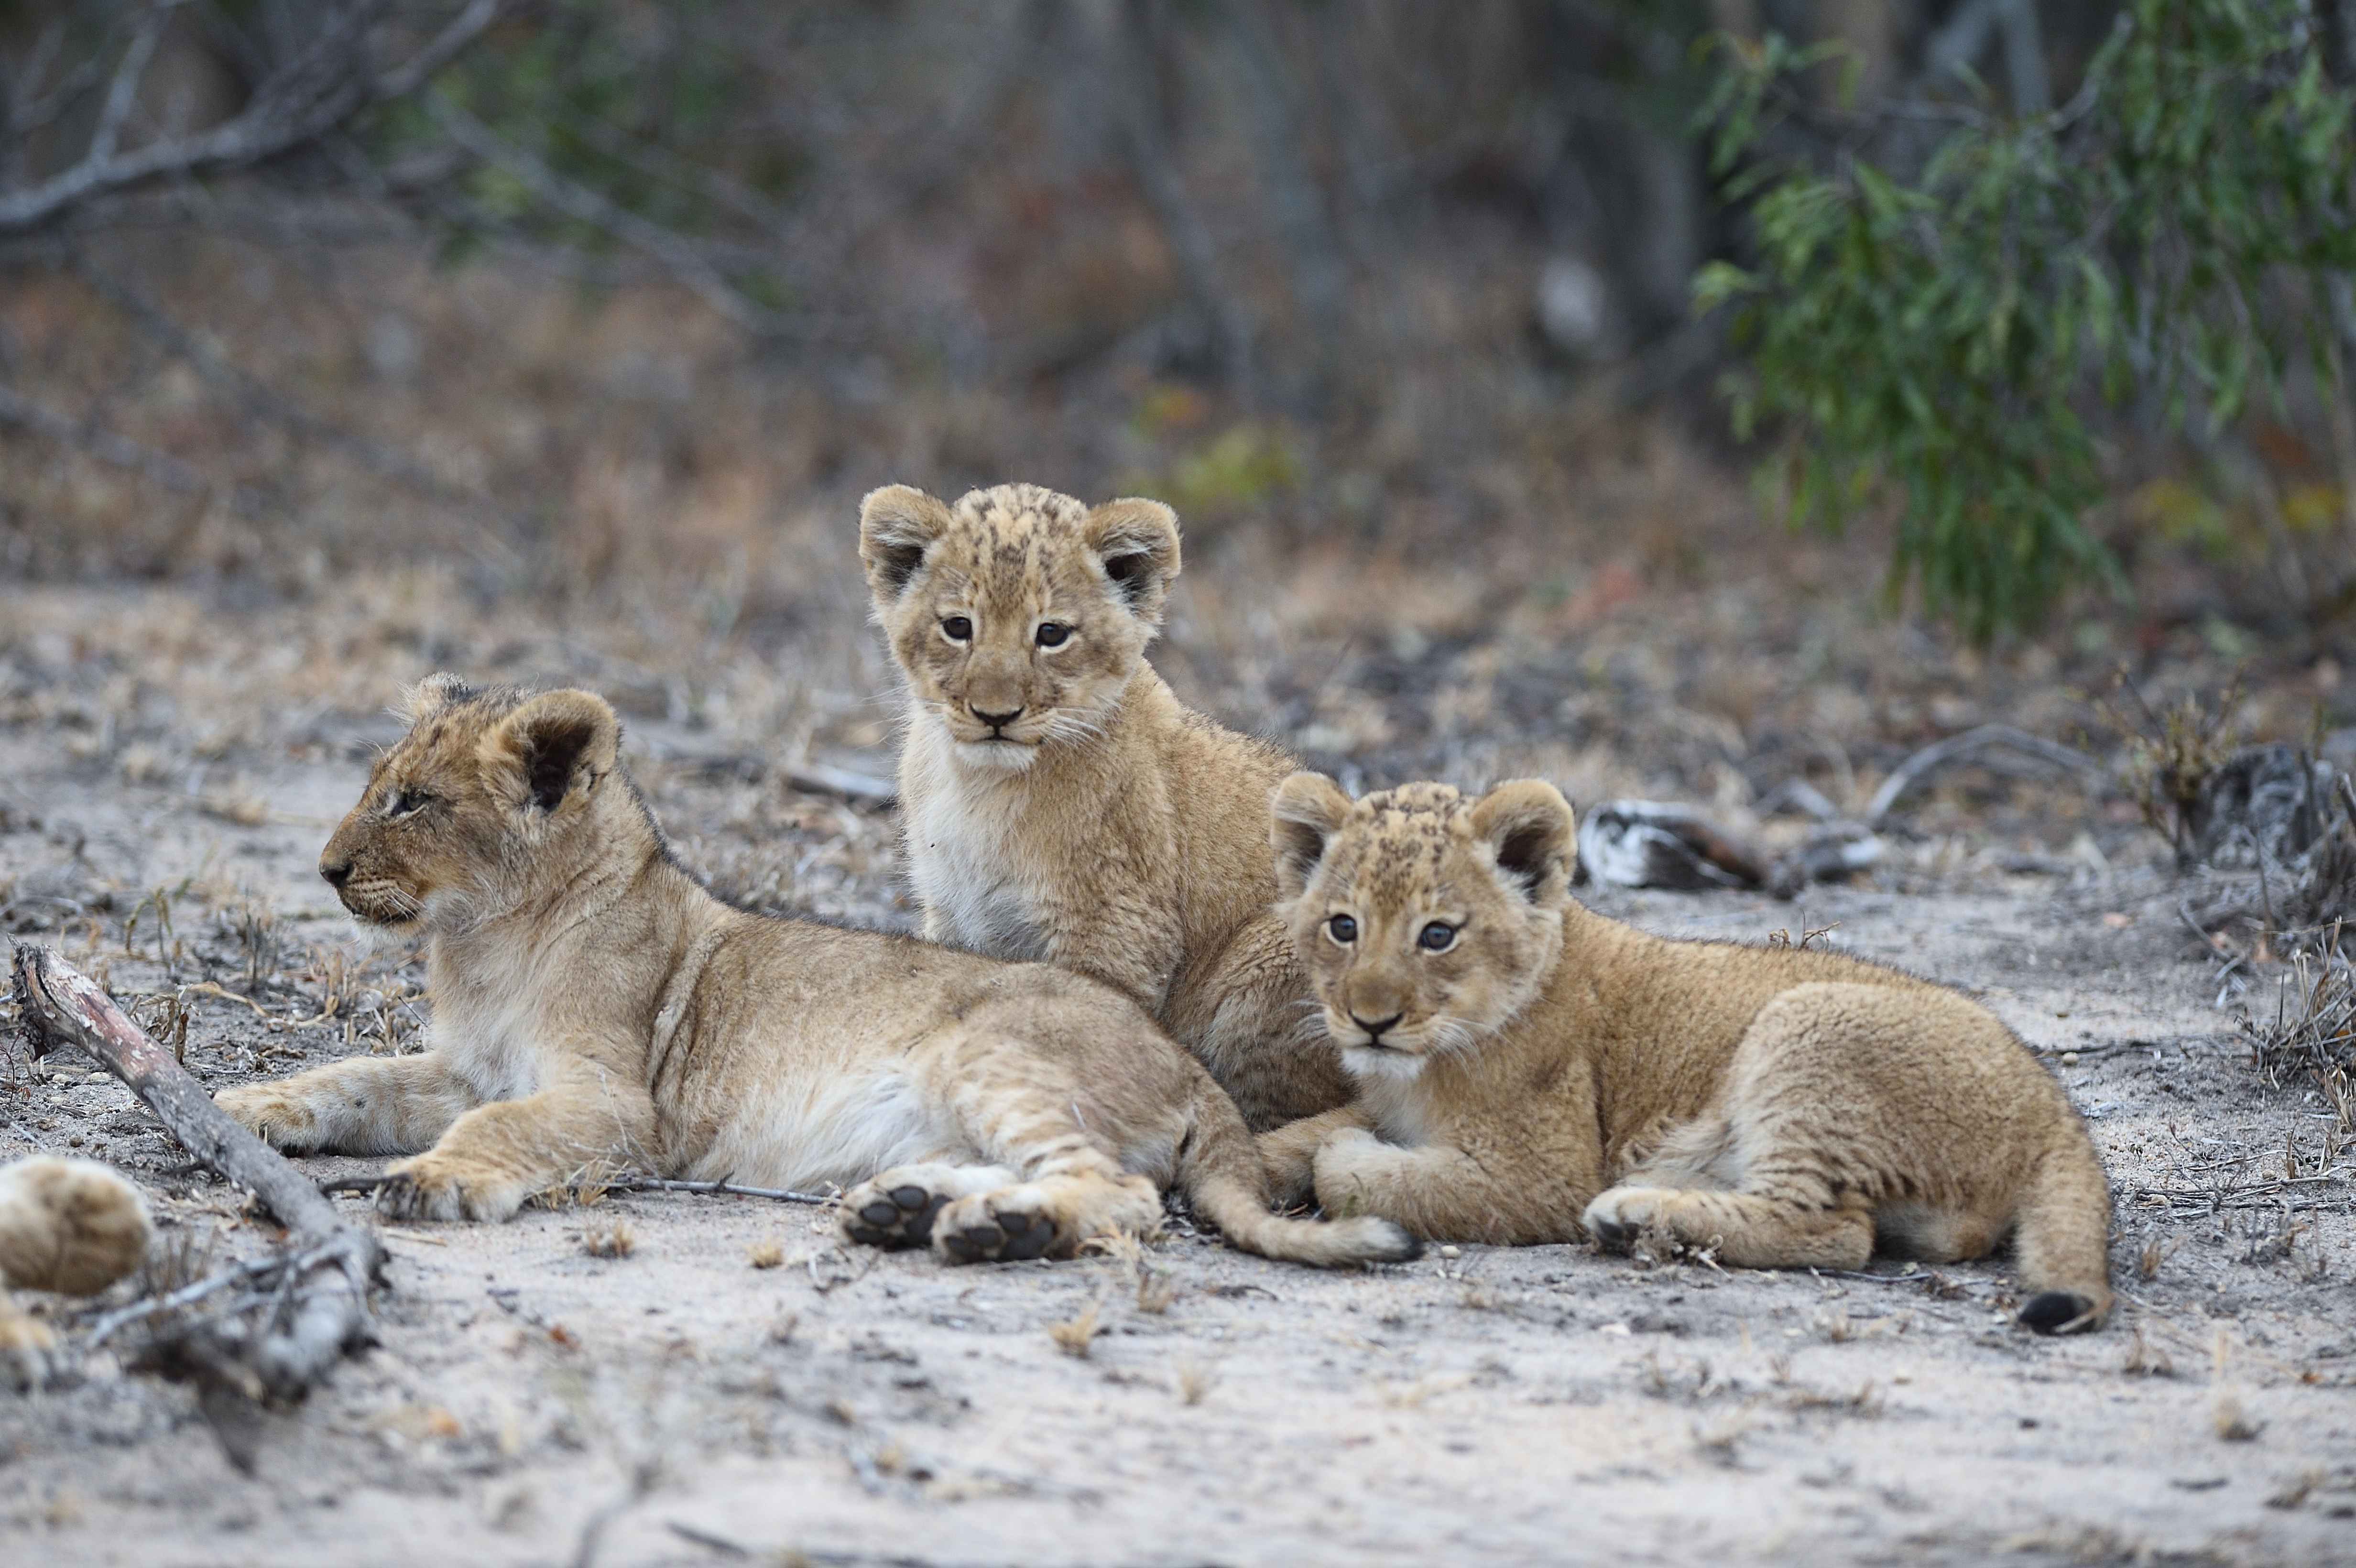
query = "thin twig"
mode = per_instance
[{"x": 724, "y": 1188}]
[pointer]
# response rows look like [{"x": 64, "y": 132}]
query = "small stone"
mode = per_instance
[
  {"x": 2068, "y": 1058},
  {"x": 1451, "y": 1252}
]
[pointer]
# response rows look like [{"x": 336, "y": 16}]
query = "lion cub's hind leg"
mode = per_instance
[
  {"x": 1748, "y": 1230},
  {"x": 1041, "y": 1177},
  {"x": 1048, "y": 1217}
]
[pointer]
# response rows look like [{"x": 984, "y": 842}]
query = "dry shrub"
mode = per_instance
[{"x": 2313, "y": 1029}]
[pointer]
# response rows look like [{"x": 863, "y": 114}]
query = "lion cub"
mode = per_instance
[
  {"x": 596, "y": 1010},
  {"x": 1060, "y": 803},
  {"x": 1527, "y": 1069}
]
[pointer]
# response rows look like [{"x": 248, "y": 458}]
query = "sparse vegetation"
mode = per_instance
[{"x": 614, "y": 1241}]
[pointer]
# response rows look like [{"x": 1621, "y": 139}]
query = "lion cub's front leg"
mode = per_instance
[
  {"x": 1442, "y": 1193},
  {"x": 588, "y": 1123},
  {"x": 364, "y": 1105},
  {"x": 1290, "y": 1152}
]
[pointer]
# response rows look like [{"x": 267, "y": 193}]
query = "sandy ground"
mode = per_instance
[{"x": 532, "y": 1402}]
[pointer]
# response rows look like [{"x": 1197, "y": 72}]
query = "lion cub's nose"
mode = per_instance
[
  {"x": 338, "y": 872},
  {"x": 1374, "y": 1031},
  {"x": 996, "y": 721}
]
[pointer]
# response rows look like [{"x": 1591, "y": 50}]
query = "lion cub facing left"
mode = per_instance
[{"x": 596, "y": 1010}]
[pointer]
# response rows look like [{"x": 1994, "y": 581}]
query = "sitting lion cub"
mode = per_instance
[
  {"x": 596, "y": 1011},
  {"x": 1527, "y": 1069},
  {"x": 1060, "y": 803}
]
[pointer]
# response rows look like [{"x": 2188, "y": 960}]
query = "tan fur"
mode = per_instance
[
  {"x": 596, "y": 1011},
  {"x": 1105, "y": 828},
  {"x": 1551, "y": 1073},
  {"x": 67, "y": 1225}
]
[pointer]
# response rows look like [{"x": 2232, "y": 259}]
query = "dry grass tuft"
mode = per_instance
[
  {"x": 1155, "y": 1287},
  {"x": 2314, "y": 1029},
  {"x": 2172, "y": 753},
  {"x": 2232, "y": 1425},
  {"x": 614, "y": 1241},
  {"x": 766, "y": 1255},
  {"x": 2157, "y": 1250},
  {"x": 1195, "y": 1382},
  {"x": 1075, "y": 1335},
  {"x": 2146, "y": 1360}
]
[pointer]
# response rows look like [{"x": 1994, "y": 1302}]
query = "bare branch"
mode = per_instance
[
  {"x": 124, "y": 90},
  {"x": 578, "y": 201},
  {"x": 324, "y": 1306},
  {"x": 447, "y": 45},
  {"x": 1137, "y": 91},
  {"x": 320, "y": 90}
]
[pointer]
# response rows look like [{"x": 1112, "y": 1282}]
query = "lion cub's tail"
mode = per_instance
[
  {"x": 2061, "y": 1239},
  {"x": 1220, "y": 1172}
]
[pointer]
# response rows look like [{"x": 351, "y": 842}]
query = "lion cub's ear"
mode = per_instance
[
  {"x": 896, "y": 525},
  {"x": 1136, "y": 541},
  {"x": 431, "y": 696},
  {"x": 556, "y": 743},
  {"x": 1306, "y": 810},
  {"x": 1528, "y": 824}
]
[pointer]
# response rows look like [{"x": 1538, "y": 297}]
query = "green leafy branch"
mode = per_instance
[{"x": 1929, "y": 339}]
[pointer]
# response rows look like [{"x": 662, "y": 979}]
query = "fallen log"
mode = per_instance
[{"x": 318, "y": 1307}]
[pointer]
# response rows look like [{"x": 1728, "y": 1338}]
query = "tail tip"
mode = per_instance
[
  {"x": 1395, "y": 1243},
  {"x": 2058, "y": 1312}
]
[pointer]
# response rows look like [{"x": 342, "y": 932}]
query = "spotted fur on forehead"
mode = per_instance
[
  {"x": 1395, "y": 845},
  {"x": 1010, "y": 548}
]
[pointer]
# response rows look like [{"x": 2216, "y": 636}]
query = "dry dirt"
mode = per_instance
[{"x": 533, "y": 1403}]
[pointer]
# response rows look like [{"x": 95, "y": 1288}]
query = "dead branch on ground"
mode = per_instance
[
  {"x": 1972, "y": 744},
  {"x": 724, "y": 1188},
  {"x": 301, "y": 1309}
]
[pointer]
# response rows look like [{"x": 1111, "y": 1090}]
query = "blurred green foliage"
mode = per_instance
[
  {"x": 640, "y": 104},
  {"x": 1936, "y": 343}
]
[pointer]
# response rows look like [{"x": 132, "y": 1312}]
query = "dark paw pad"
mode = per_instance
[
  {"x": 902, "y": 1219},
  {"x": 1616, "y": 1236},
  {"x": 2051, "y": 1311},
  {"x": 399, "y": 1199},
  {"x": 1027, "y": 1235}
]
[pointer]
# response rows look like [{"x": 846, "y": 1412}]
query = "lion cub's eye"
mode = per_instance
[
  {"x": 405, "y": 801},
  {"x": 1052, "y": 634},
  {"x": 1341, "y": 929},
  {"x": 957, "y": 629},
  {"x": 1438, "y": 936}
]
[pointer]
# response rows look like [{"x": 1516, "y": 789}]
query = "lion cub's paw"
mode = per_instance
[
  {"x": 70, "y": 1225},
  {"x": 283, "y": 1121},
  {"x": 1617, "y": 1217},
  {"x": 28, "y": 1348},
  {"x": 1004, "y": 1226},
  {"x": 897, "y": 1209},
  {"x": 441, "y": 1186}
]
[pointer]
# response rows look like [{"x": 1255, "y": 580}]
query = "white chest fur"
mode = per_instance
[
  {"x": 1388, "y": 1087},
  {"x": 966, "y": 859},
  {"x": 489, "y": 1028}
]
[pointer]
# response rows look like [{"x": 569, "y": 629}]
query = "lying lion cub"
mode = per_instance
[
  {"x": 1527, "y": 1069},
  {"x": 596, "y": 1010}
]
